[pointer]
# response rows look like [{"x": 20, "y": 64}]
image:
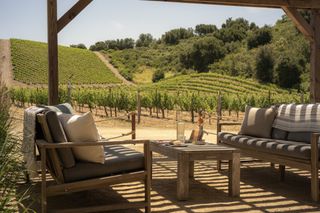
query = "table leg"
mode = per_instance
[
  {"x": 183, "y": 176},
  {"x": 151, "y": 163},
  {"x": 234, "y": 175},
  {"x": 191, "y": 169}
]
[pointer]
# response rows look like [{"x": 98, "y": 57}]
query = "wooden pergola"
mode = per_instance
[{"x": 290, "y": 7}]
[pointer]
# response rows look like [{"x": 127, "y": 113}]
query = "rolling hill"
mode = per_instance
[{"x": 29, "y": 60}]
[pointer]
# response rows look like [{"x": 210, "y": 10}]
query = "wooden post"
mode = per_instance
[
  {"x": 53, "y": 78},
  {"x": 315, "y": 58},
  {"x": 133, "y": 125},
  {"x": 139, "y": 106},
  {"x": 219, "y": 115}
]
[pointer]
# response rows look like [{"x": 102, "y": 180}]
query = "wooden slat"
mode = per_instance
[
  {"x": 314, "y": 167},
  {"x": 53, "y": 158},
  {"x": 53, "y": 78},
  {"x": 103, "y": 208},
  {"x": 303, "y": 4},
  {"x": 72, "y": 13},
  {"x": 42, "y": 143},
  {"x": 300, "y": 22},
  {"x": 94, "y": 183}
]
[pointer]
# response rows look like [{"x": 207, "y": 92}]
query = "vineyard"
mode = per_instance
[
  {"x": 155, "y": 102},
  {"x": 30, "y": 64},
  {"x": 214, "y": 82}
]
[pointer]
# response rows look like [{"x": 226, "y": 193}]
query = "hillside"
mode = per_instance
[
  {"x": 214, "y": 82},
  {"x": 238, "y": 48},
  {"x": 29, "y": 60}
]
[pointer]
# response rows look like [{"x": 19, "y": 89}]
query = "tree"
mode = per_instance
[
  {"x": 100, "y": 45},
  {"x": 144, "y": 40},
  {"x": 264, "y": 65},
  {"x": 202, "y": 52},
  {"x": 289, "y": 72},
  {"x": 203, "y": 29},
  {"x": 157, "y": 75},
  {"x": 174, "y": 36},
  {"x": 80, "y": 46},
  {"x": 259, "y": 37},
  {"x": 234, "y": 30}
]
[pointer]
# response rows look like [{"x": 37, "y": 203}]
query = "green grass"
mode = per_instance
[
  {"x": 30, "y": 64},
  {"x": 213, "y": 82}
]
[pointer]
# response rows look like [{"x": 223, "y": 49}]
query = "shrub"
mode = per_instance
[
  {"x": 10, "y": 165},
  {"x": 264, "y": 65},
  {"x": 289, "y": 72},
  {"x": 157, "y": 75},
  {"x": 259, "y": 37}
]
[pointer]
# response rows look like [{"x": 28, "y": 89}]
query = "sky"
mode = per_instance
[{"x": 112, "y": 19}]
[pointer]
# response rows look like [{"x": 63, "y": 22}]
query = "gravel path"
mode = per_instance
[{"x": 115, "y": 71}]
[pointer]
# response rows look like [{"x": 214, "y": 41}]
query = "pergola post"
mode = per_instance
[
  {"x": 53, "y": 78},
  {"x": 315, "y": 57}
]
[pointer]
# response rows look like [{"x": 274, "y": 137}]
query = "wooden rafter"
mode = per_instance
[
  {"x": 300, "y": 22},
  {"x": 302, "y": 4},
  {"x": 72, "y": 13}
]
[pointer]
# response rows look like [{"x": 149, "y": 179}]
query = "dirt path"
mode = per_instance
[
  {"x": 115, "y": 71},
  {"x": 5, "y": 62}
]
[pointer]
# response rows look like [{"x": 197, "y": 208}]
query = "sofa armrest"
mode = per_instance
[
  {"x": 219, "y": 126},
  {"x": 46, "y": 145}
]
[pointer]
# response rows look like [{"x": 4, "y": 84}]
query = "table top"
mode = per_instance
[{"x": 191, "y": 148}]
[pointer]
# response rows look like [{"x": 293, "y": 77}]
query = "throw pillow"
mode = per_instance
[
  {"x": 81, "y": 128},
  {"x": 258, "y": 122}
]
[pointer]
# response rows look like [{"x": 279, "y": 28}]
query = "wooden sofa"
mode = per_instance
[
  {"x": 301, "y": 153},
  {"x": 121, "y": 165}
]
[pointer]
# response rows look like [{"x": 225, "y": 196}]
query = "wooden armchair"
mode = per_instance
[{"x": 111, "y": 173}]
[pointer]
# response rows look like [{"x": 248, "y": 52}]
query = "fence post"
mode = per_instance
[
  {"x": 69, "y": 91},
  {"x": 269, "y": 98},
  {"x": 302, "y": 97},
  {"x": 139, "y": 106},
  {"x": 133, "y": 125},
  {"x": 219, "y": 116}
]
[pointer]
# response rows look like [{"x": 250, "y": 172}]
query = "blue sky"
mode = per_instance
[{"x": 111, "y": 19}]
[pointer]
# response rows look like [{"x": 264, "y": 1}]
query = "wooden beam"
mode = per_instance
[
  {"x": 300, "y": 22},
  {"x": 53, "y": 79},
  {"x": 72, "y": 13},
  {"x": 303, "y": 4},
  {"x": 315, "y": 58}
]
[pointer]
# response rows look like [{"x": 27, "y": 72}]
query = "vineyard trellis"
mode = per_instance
[{"x": 116, "y": 99}]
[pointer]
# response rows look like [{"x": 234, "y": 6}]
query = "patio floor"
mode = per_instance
[{"x": 261, "y": 191}]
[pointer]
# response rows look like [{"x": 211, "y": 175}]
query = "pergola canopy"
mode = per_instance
[{"x": 290, "y": 7}]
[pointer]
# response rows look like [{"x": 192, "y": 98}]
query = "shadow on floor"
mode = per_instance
[{"x": 261, "y": 191}]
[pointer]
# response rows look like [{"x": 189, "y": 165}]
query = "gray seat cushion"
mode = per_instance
[
  {"x": 58, "y": 135},
  {"x": 280, "y": 147},
  {"x": 119, "y": 159}
]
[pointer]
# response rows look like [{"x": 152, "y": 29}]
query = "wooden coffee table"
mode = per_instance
[{"x": 186, "y": 157}]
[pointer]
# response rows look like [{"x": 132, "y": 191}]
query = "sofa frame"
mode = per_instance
[{"x": 50, "y": 162}]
